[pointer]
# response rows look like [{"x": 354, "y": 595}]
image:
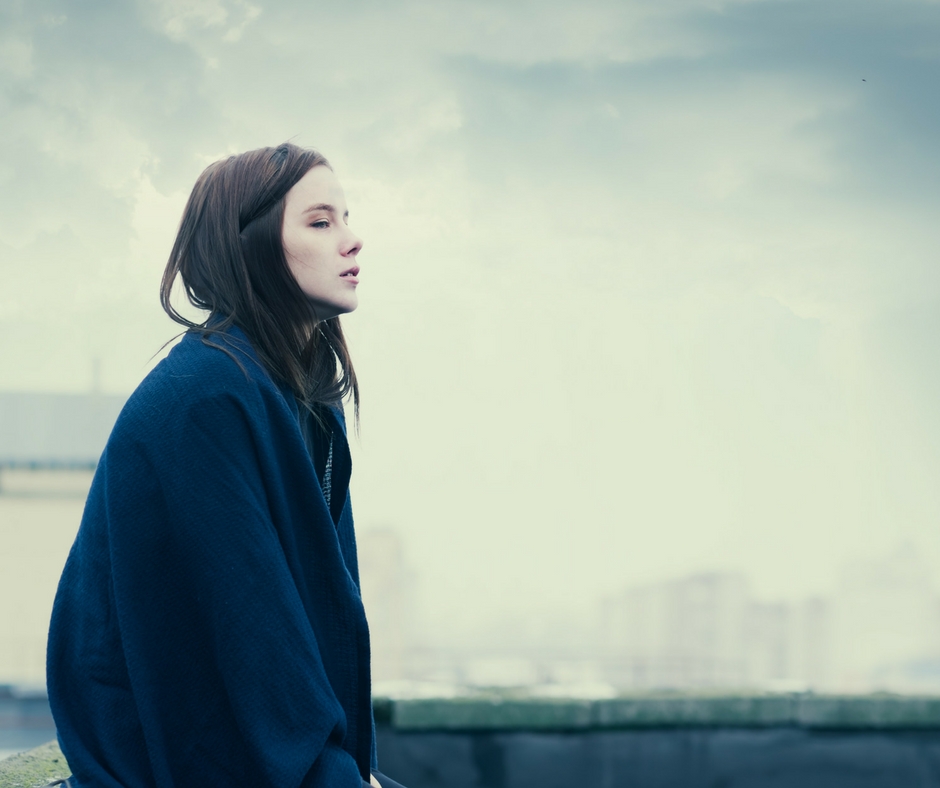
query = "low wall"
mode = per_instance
[
  {"x": 690, "y": 741},
  {"x": 24, "y": 709},
  {"x": 764, "y": 741}
]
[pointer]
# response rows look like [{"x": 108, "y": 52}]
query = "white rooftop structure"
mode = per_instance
[{"x": 45, "y": 430}]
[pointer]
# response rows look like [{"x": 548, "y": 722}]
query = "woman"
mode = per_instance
[{"x": 208, "y": 628}]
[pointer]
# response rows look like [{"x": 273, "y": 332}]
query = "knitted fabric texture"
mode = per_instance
[{"x": 208, "y": 627}]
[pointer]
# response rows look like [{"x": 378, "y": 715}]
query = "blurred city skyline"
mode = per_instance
[{"x": 877, "y": 630}]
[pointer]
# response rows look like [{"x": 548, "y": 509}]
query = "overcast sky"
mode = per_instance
[{"x": 647, "y": 288}]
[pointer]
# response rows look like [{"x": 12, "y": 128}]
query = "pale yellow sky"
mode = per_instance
[{"x": 647, "y": 288}]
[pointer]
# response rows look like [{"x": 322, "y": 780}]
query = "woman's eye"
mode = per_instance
[{"x": 321, "y": 223}]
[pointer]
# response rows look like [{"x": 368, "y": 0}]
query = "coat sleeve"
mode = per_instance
[{"x": 224, "y": 665}]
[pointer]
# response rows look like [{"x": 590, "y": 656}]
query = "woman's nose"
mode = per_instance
[{"x": 353, "y": 246}]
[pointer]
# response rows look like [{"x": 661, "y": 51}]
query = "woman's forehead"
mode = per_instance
[{"x": 318, "y": 187}]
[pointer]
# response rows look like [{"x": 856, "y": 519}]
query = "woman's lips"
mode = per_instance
[{"x": 351, "y": 275}]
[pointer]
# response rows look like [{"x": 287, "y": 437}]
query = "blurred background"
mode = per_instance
[{"x": 648, "y": 326}]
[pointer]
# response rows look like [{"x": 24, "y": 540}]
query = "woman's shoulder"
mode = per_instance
[{"x": 201, "y": 372}]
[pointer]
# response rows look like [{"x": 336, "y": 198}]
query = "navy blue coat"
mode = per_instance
[{"x": 208, "y": 627}]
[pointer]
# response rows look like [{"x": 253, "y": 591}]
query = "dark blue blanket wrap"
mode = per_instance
[{"x": 208, "y": 628}]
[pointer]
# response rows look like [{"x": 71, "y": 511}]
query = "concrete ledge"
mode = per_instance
[{"x": 521, "y": 714}]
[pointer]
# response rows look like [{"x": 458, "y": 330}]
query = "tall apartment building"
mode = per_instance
[{"x": 385, "y": 592}]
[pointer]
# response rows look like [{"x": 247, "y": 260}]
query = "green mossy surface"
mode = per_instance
[
  {"x": 34, "y": 768},
  {"x": 491, "y": 712},
  {"x": 516, "y": 711}
]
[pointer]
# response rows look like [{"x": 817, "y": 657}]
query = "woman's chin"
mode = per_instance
[{"x": 327, "y": 310}]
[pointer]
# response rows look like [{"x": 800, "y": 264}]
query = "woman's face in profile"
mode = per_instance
[{"x": 320, "y": 248}]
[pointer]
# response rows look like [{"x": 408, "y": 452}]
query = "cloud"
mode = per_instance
[{"x": 180, "y": 20}]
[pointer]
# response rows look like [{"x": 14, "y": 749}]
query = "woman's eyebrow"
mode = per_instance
[{"x": 323, "y": 206}]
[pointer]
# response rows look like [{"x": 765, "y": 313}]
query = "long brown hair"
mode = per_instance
[{"x": 230, "y": 256}]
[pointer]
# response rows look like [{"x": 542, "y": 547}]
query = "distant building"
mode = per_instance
[
  {"x": 687, "y": 632},
  {"x": 706, "y": 631},
  {"x": 880, "y": 630},
  {"x": 385, "y": 593},
  {"x": 812, "y": 645},
  {"x": 49, "y": 443},
  {"x": 55, "y": 430},
  {"x": 768, "y": 644},
  {"x": 49, "y": 447},
  {"x": 887, "y": 625}
]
